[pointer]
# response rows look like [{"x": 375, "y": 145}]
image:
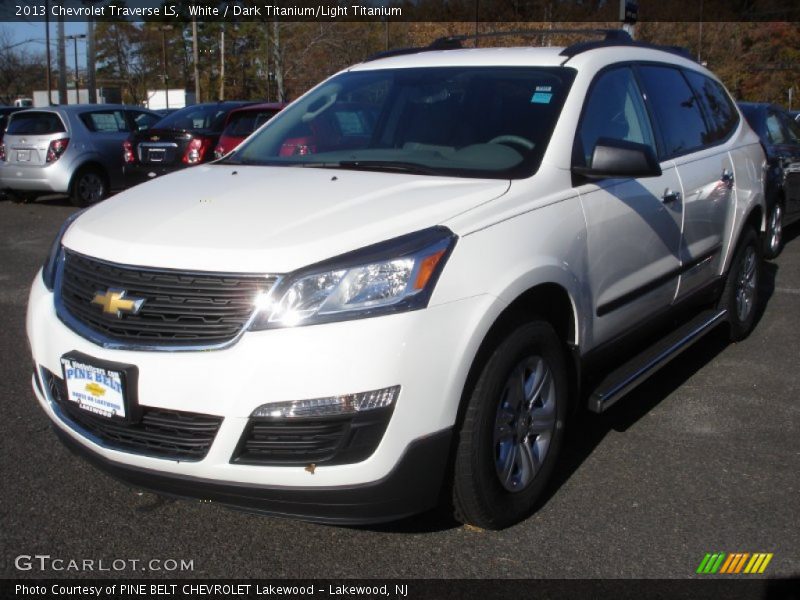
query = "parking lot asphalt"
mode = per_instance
[{"x": 704, "y": 457}]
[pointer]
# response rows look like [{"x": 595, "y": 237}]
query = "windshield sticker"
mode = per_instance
[{"x": 541, "y": 98}]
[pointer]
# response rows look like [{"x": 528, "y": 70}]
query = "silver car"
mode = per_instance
[{"x": 74, "y": 150}]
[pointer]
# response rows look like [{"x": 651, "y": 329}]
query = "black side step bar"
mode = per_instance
[{"x": 628, "y": 376}]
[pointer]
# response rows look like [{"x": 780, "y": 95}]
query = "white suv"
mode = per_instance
[{"x": 400, "y": 287}]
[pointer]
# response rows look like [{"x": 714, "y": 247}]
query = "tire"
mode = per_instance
[
  {"x": 508, "y": 443},
  {"x": 740, "y": 297},
  {"x": 773, "y": 237},
  {"x": 88, "y": 187}
]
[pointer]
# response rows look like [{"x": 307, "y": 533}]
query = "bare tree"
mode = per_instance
[{"x": 21, "y": 71}]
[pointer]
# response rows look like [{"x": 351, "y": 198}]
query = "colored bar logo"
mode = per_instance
[{"x": 734, "y": 563}]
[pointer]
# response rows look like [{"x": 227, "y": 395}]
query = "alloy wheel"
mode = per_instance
[
  {"x": 746, "y": 284},
  {"x": 91, "y": 188},
  {"x": 775, "y": 229},
  {"x": 524, "y": 424}
]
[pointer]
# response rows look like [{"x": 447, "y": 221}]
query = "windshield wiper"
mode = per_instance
[
  {"x": 366, "y": 165},
  {"x": 388, "y": 165}
]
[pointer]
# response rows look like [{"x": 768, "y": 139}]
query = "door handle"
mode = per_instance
[{"x": 670, "y": 196}]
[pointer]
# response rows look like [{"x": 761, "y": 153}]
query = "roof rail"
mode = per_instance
[
  {"x": 453, "y": 42},
  {"x": 610, "y": 38},
  {"x": 608, "y": 34},
  {"x": 439, "y": 44}
]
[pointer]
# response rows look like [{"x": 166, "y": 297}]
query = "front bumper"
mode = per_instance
[
  {"x": 427, "y": 353},
  {"x": 413, "y": 486}
]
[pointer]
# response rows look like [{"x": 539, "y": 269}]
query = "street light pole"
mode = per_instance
[
  {"x": 75, "y": 39},
  {"x": 164, "y": 30},
  {"x": 222, "y": 63},
  {"x": 91, "y": 52},
  {"x": 61, "y": 57},
  {"x": 47, "y": 51},
  {"x": 195, "y": 55},
  {"x": 91, "y": 81}
]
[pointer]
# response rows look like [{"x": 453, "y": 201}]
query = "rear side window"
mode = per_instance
[
  {"x": 194, "y": 118},
  {"x": 717, "y": 106},
  {"x": 676, "y": 108},
  {"x": 35, "y": 123},
  {"x": 244, "y": 123},
  {"x": 791, "y": 127},
  {"x": 143, "y": 120},
  {"x": 774, "y": 129},
  {"x": 106, "y": 121}
]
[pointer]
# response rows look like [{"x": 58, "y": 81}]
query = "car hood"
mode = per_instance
[{"x": 267, "y": 219}]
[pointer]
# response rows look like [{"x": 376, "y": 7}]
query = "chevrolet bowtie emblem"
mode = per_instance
[
  {"x": 95, "y": 389},
  {"x": 114, "y": 302},
  {"x": 154, "y": 138}
]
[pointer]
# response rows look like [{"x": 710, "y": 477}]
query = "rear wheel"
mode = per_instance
[
  {"x": 88, "y": 186},
  {"x": 740, "y": 296},
  {"x": 513, "y": 429}
]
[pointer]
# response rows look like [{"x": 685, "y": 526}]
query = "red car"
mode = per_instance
[
  {"x": 182, "y": 139},
  {"x": 244, "y": 121}
]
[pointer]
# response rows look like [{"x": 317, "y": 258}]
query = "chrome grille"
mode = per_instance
[{"x": 180, "y": 308}]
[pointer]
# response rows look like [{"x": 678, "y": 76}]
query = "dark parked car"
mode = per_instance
[
  {"x": 780, "y": 136},
  {"x": 244, "y": 121},
  {"x": 182, "y": 139}
]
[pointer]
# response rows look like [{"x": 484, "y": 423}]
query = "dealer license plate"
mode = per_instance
[{"x": 94, "y": 389}]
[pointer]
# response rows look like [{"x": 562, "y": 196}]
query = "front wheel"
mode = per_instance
[
  {"x": 513, "y": 429},
  {"x": 740, "y": 296}
]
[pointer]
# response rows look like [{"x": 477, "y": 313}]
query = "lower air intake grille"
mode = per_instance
[
  {"x": 319, "y": 440},
  {"x": 171, "y": 434}
]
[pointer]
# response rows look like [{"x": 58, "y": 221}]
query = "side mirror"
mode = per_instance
[{"x": 620, "y": 158}]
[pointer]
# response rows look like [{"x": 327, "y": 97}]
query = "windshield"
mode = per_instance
[
  {"x": 464, "y": 121},
  {"x": 210, "y": 117}
]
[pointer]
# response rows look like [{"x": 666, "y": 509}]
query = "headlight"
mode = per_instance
[
  {"x": 51, "y": 263},
  {"x": 393, "y": 276}
]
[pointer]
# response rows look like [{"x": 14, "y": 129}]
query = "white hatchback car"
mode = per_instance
[{"x": 399, "y": 288}]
